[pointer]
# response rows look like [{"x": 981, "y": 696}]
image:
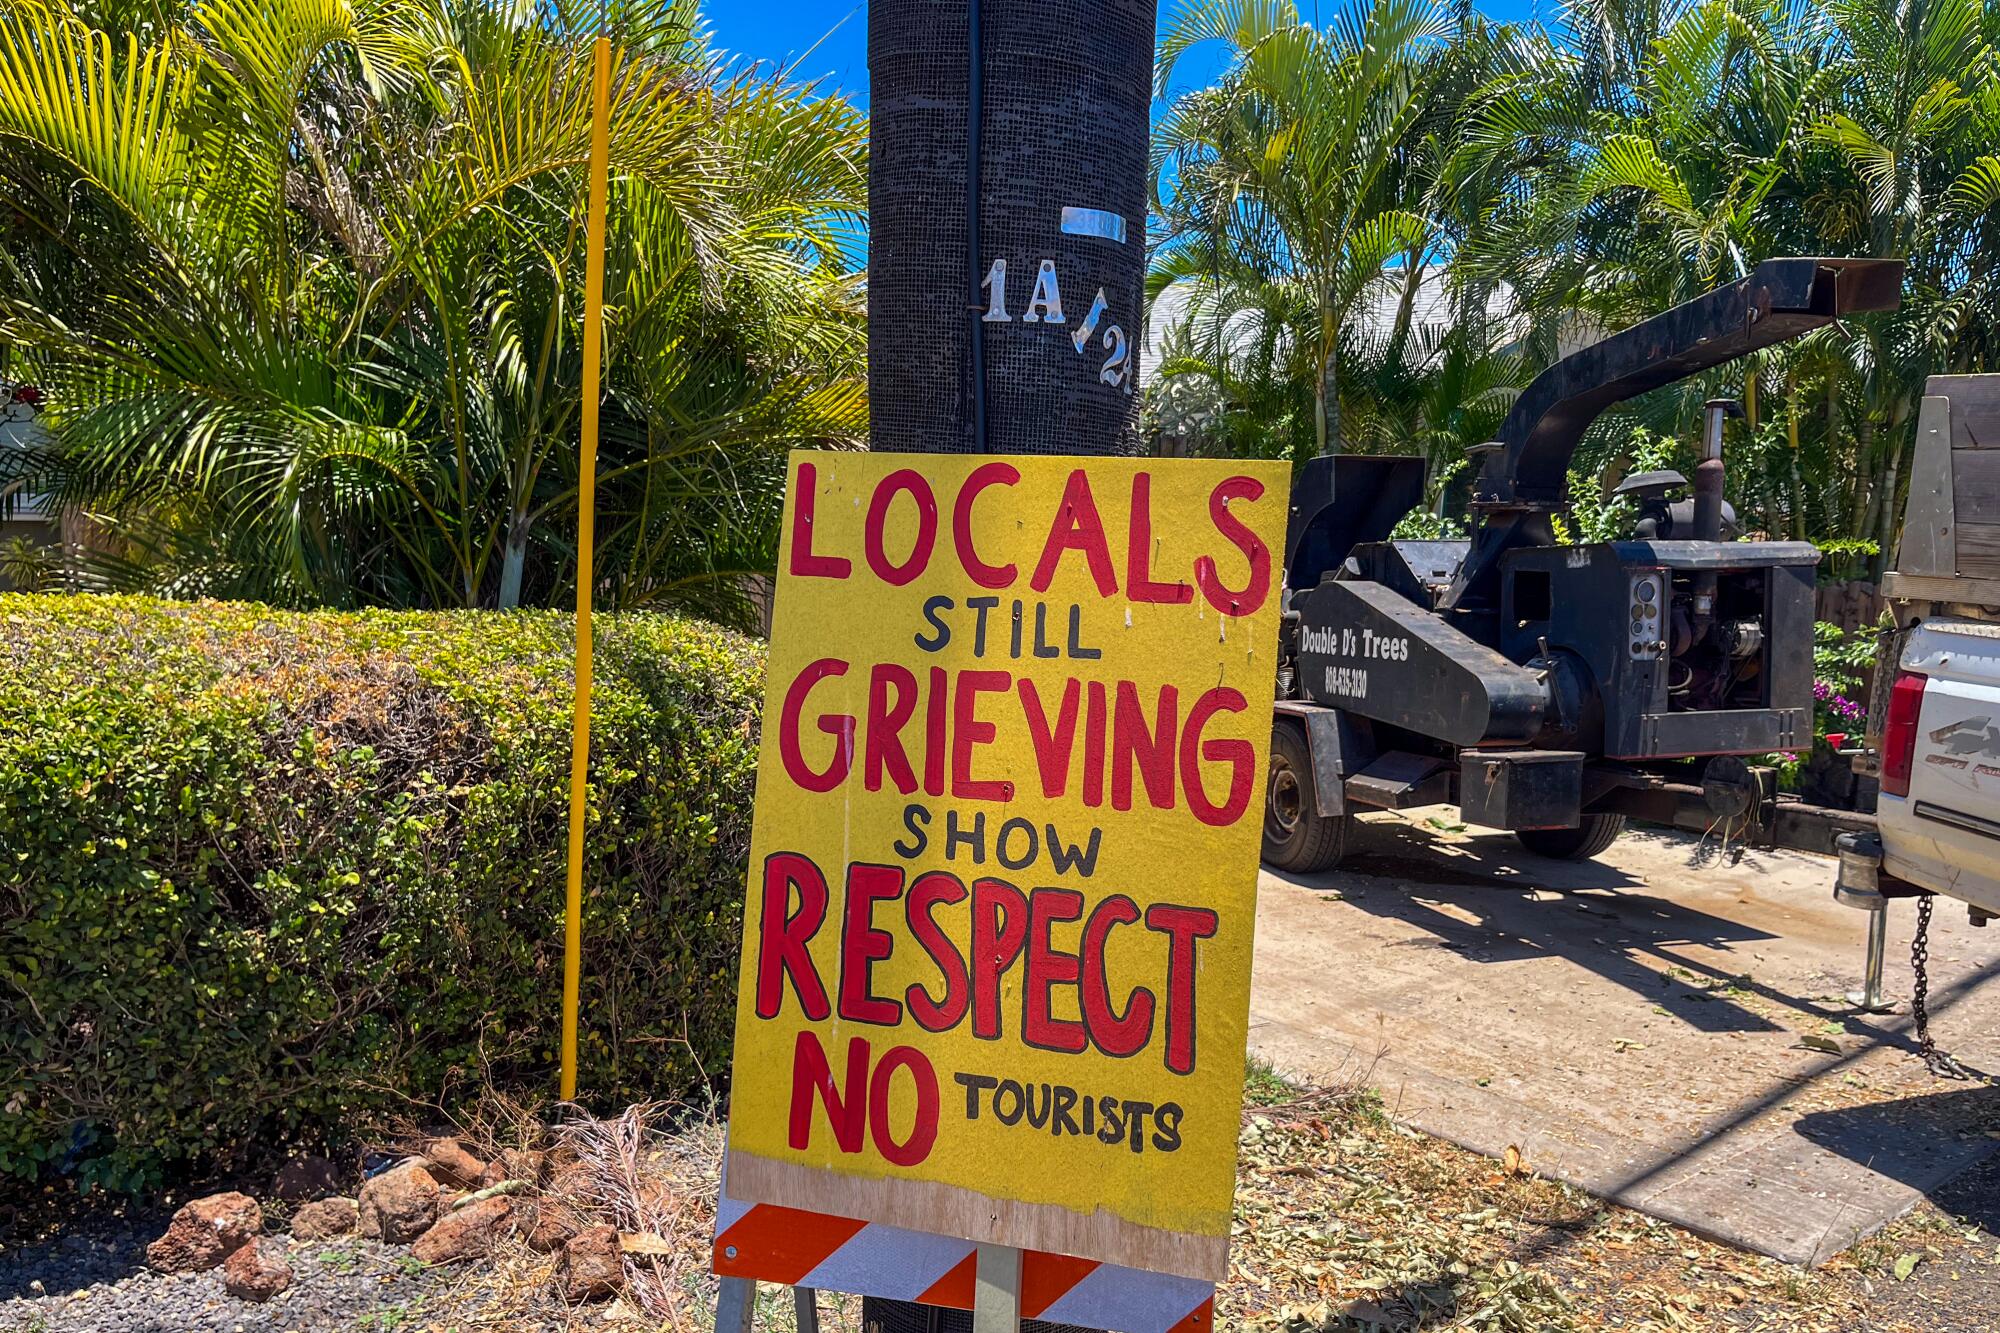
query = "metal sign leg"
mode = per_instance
[
  {"x": 996, "y": 1290},
  {"x": 805, "y": 1303},
  {"x": 735, "y": 1304}
]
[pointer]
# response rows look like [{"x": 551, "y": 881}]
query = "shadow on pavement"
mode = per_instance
[
  {"x": 1488, "y": 900},
  {"x": 1918, "y": 1141},
  {"x": 1492, "y": 889}
]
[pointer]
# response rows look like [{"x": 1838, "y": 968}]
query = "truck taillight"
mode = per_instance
[{"x": 1899, "y": 731}]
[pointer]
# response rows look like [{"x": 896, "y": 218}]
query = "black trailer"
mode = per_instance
[{"x": 1547, "y": 689}]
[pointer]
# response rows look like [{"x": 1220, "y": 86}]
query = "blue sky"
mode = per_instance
[{"x": 829, "y": 38}]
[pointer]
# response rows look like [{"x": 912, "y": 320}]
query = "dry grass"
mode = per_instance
[
  {"x": 1349, "y": 1223},
  {"x": 1345, "y": 1223},
  {"x": 651, "y": 1172},
  {"x": 656, "y": 1186}
]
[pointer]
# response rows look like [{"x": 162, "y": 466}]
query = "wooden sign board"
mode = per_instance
[{"x": 996, "y": 951}]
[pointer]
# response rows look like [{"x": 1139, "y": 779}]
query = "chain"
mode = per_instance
[{"x": 1938, "y": 1062}]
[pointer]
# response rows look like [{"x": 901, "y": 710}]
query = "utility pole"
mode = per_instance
[{"x": 1007, "y": 195}]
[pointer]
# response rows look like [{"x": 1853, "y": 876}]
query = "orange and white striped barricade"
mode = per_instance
[{"x": 792, "y": 1247}]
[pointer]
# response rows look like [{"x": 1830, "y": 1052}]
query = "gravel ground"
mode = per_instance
[
  {"x": 1345, "y": 1221},
  {"x": 1953, "y": 1291},
  {"x": 95, "y": 1281}
]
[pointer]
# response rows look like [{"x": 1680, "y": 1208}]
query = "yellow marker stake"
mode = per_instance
[{"x": 586, "y": 496}]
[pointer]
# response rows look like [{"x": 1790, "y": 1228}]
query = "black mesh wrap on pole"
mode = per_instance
[{"x": 1066, "y": 94}]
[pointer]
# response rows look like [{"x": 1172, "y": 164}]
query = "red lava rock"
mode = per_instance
[
  {"x": 593, "y": 1265},
  {"x": 468, "y": 1233},
  {"x": 452, "y": 1165},
  {"x": 553, "y": 1226},
  {"x": 525, "y": 1164},
  {"x": 397, "y": 1206},
  {"x": 205, "y": 1232},
  {"x": 305, "y": 1178},
  {"x": 328, "y": 1217},
  {"x": 515, "y": 1164},
  {"x": 254, "y": 1273}
]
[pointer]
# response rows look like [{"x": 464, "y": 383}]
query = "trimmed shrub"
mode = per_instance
[{"x": 267, "y": 872}]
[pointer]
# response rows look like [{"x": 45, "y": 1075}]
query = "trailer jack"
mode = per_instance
[
  {"x": 1860, "y": 891},
  {"x": 1862, "y": 884}
]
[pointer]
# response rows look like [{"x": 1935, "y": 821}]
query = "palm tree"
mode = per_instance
[
  {"x": 1642, "y": 162},
  {"x": 1290, "y": 187},
  {"x": 1908, "y": 106},
  {"x": 1230, "y": 379},
  {"x": 1666, "y": 147},
  {"x": 325, "y": 348}
]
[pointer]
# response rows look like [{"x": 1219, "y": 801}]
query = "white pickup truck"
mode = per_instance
[
  {"x": 1938, "y": 817},
  {"x": 1934, "y": 721}
]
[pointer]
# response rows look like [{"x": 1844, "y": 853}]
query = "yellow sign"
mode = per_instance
[{"x": 996, "y": 949}]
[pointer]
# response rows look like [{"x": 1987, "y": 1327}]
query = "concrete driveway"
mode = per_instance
[{"x": 1660, "y": 1027}]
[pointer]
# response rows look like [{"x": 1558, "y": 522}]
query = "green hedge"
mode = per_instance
[{"x": 270, "y": 872}]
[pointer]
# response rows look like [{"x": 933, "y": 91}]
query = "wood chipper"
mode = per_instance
[{"x": 1556, "y": 690}]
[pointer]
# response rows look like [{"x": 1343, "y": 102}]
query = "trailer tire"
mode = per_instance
[
  {"x": 1592, "y": 834},
  {"x": 1298, "y": 839}
]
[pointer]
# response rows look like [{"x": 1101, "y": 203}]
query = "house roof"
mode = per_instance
[{"x": 1431, "y": 307}]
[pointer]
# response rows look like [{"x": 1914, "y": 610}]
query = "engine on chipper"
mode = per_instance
[{"x": 1556, "y": 690}]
